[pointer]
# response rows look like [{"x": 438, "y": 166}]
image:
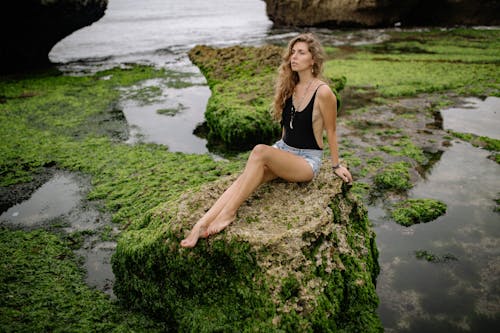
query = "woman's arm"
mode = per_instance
[{"x": 328, "y": 108}]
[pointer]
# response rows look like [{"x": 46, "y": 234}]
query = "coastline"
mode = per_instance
[{"x": 388, "y": 126}]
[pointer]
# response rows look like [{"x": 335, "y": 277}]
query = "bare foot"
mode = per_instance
[
  {"x": 197, "y": 232},
  {"x": 219, "y": 224}
]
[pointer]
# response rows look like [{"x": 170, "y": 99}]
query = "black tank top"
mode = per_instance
[{"x": 302, "y": 135}]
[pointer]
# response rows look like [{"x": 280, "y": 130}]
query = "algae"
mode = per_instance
[
  {"x": 308, "y": 270},
  {"x": 54, "y": 120},
  {"x": 242, "y": 84},
  {"x": 431, "y": 257},
  {"x": 394, "y": 177},
  {"x": 484, "y": 142},
  {"x": 43, "y": 290},
  {"x": 412, "y": 211},
  {"x": 50, "y": 121}
]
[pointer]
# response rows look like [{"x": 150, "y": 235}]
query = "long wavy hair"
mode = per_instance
[{"x": 288, "y": 79}]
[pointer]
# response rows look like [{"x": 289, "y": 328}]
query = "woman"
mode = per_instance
[{"x": 306, "y": 107}]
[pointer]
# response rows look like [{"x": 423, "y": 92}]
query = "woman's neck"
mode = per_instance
[{"x": 305, "y": 77}]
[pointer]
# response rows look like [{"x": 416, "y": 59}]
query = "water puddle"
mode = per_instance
[
  {"x": 459, "y": 292},
  {"x": 171, "y": 121},
  {"x": 480, "y": 117},
  {"x": 57, "y": 197},
  {"x": 60, "y": 203}
]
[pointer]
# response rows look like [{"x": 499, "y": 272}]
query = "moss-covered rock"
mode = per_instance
[
  {"x": 395, "y": 176},
  {"x": 412, "y": 211},
  {"x": 242, "y": 84},
  {"x": 298, "y": 258}
]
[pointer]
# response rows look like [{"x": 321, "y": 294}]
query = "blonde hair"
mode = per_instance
[{"x": 288, "y": 79}]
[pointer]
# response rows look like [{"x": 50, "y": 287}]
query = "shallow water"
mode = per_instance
[
  {"x": 59, "y": 196},
  {"x": 480, "y": 117},
  {"x": 459, "y": 292},
  {"x": 60, "y": 204},
  {"x": 174, "y": 131},
  {"x": 415, "y": 295},
  {"x": 161, "y": 32}
]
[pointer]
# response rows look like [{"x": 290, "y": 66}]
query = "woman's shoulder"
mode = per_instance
[{"x": 324, "y": 91}]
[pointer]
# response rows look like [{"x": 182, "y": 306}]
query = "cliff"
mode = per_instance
[
  {"x": 32, "y": 27},
  {"x": 382, "y": 13},
  {"x": 298, "y": 258}
]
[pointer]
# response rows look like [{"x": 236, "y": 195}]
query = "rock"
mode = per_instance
[
  {"x": 32, "y": 27},
  {"x": 382, "y": 13},
  {"x": 298, "y": 258},
  {"x": 242, "y": 83}
]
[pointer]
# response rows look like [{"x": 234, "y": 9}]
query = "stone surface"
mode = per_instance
[
  {"x": 382, "y": 13},
  {"x": 299, "y": 257},
  {"x": 30, "y": 28}
]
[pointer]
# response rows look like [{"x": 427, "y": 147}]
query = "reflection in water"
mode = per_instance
[
  {"x": 60, "y": 202},
  {"x": 416, "y": 294},
  {"x": 176, "y": 131},
  {"x": 56, "y": 197},
  {"x": 480, "y": 117}
]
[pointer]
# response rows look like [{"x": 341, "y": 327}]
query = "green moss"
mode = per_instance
[
  {"x": 412, "y": 211},
  {"x": 238, "y": 112},
  {"x": 190, "y": 290},
  {"x": 51, "y": 127},
  {"x": 405, "y": 147},
  {"x": 289, "y": 288},
  {"x": 42, "y": 289},
  {"x": 394, "y": 177},
  {"x": 463, "y": 61},
  {"x": 50, "y": 120},
  {"x": 220, "y": 285},
  {"x": 479, "y": 141}
]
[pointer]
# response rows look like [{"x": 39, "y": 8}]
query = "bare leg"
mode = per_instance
[
  {"x": 263, "y": 161},
  {"x": 200, "y": 228}
]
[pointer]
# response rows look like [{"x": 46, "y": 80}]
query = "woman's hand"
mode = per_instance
[{"x": 343, "y": 173}]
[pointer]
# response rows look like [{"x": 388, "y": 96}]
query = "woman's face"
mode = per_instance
[{"x": 300, "y": 58}]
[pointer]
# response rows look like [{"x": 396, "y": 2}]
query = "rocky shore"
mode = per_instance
[{"x": 390, "y": 133}]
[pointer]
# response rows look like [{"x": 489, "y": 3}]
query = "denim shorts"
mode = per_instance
[{"x": 312, "y": 156}]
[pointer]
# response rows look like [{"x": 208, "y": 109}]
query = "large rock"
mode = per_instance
[
  {"x": 242, "y": 81},
  {"x": 30, "y": 28},
  {"x": 382, "y": 13},
  {"x": 298, "y": 258}
]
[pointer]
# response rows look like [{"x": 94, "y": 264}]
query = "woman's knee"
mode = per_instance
[{"x": 259, "y": 152}]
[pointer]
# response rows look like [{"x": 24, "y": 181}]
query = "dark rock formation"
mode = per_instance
[
  {"x": 382, "y": 13},
  {"x": 30, "y": 28}
]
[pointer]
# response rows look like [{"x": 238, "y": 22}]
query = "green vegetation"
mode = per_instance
[
  {"x": 171, "y": 111},
  {"x": 238, "y": 112},
  {"x": 394, "y": 177},
  {"x": 42, "y": 290},
  {"x": 55, "y": 127},
  {"x": 221, "y": 284},
  {"x": 50, "y": 120},
  {"x": 56, "y": 121},
  {"x": 412, "y": 211},
  {"x": 481, "y": 141},
  {"x": 460, "y": 60}
]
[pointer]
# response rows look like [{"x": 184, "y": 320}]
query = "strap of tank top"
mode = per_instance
[{"x": 321, "y": 84}]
